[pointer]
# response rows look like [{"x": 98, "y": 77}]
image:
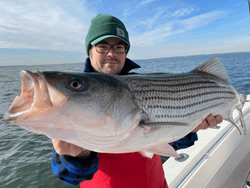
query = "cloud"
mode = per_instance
[
  {"x": 128, "y": 11},
  {"x": 226, "y": 45},
  {"x": 146, "y": 2},
  {"x": 58, "y": 25},
  {"x": 200, "y": 20},
  {"x": 150, "y": 22},
  {"x": 43, "y": 25},
  {"x": 176, "y": 26},
  {"x": 183, "y": 12},
  {"x": 134, "y": 6}
]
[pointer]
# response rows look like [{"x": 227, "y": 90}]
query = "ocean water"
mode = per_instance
[{"x": 25, "y": 157}]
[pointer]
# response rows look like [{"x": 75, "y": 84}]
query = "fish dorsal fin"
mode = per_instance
[{"x": 215, "y": 68}]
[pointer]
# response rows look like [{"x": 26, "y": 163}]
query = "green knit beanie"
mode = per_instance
[{"x": 105, "y": 26}]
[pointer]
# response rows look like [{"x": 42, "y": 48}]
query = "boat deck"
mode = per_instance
[
  {"x": 219, "y": 159},
  {"x": 240, "y": 176}
]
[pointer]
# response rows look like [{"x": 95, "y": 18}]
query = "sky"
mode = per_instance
[{"x": 53, "y": 31}]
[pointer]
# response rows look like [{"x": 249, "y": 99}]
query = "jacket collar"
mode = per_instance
[{"x": 128, "y": 66}]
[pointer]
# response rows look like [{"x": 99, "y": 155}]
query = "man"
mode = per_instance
[{"x": 107, "y": 44}]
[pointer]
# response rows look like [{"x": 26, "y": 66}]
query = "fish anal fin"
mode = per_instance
[
  {"x": 215, "y": 68},
  {"x": 163, "y": 149},
  {"x": 146, "y": 154}
]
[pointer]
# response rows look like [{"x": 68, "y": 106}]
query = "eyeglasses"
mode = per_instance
[{"x": 104, "y": 48}]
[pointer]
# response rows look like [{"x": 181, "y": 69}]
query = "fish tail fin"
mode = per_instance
[
  {"x": 243, "y": 99},
  {"x": 231, "y": 121},
  {"x": 242, "y": 121}
]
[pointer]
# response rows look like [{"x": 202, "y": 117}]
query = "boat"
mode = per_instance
[{"x": 219, "y": 159}]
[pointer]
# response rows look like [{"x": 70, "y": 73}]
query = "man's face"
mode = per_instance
[{"x": 109, "y": 62}]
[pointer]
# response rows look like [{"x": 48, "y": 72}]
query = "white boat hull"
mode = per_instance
[{"x": 219, "y": 159}]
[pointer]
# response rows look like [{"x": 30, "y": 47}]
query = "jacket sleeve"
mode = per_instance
[
  {"x": 185, "y": 142},
  {"x": 73, "y": 170}
]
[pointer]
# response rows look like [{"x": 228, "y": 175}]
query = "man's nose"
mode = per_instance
[{"x": 112, "y": 52}]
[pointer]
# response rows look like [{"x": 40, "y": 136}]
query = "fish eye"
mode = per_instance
[{"x": 75, "y": 84}]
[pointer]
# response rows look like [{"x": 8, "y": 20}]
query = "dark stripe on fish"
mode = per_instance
[
  {"x": 187, "y": 106},
  {"x": 171, "y": 83},
  {"x": 182, "y": 88},
  {"x": 186, "y": 115},
  {"x": 176, "y": 98}
]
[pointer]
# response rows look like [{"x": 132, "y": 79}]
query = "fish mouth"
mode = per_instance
[{"x": 36, "y": 95}]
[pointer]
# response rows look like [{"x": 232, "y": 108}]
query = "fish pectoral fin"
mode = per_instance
[
  {"x": 161, "y": 149},
  {"x": 147, "y": 127},
  {"x": 155, "y": 124}
]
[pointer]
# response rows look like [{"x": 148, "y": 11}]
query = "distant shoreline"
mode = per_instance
[
  {"x": 135, "y": 60},
  {"x": 13, "y": 66},
  {"x": 193, "y": 55}
]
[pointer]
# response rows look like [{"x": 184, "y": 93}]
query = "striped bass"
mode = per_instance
[{"x": 121, "y": 114}]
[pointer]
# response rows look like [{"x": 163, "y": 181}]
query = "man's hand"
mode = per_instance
[
  {"x": 64, "y": 148},
  {"x": 210, "y": 121}
]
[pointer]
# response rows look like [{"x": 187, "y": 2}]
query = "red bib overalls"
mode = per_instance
[{"x": 129, "y": 170}]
